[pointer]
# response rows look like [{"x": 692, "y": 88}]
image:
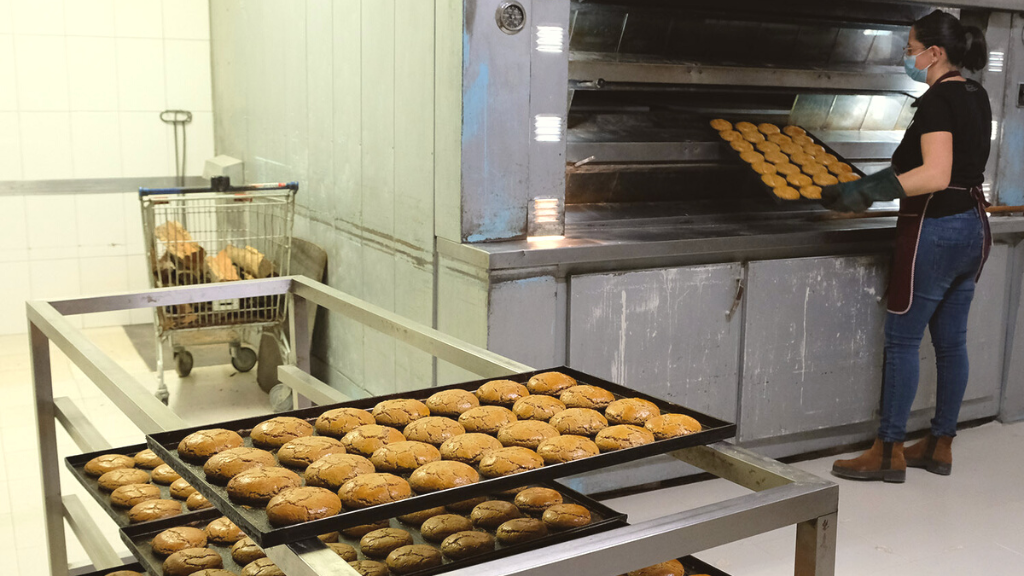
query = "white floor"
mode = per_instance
[{"x": 969, "y": 523}]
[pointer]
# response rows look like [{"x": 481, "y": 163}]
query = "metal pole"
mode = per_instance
[{"x": 816, "y": 547}]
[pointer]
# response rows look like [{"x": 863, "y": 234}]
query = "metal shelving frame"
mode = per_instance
[{"x": 782, "y": 495}]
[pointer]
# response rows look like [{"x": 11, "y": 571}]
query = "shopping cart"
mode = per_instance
[{"x": 222, "y": 233}]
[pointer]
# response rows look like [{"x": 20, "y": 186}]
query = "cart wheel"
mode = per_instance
[
  {"x": 244, "y": 359},
  {"x": 183, "y": 363},
  {"x": 163, "y": 396}
]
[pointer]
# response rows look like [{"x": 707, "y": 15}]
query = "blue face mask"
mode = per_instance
[{"x": 910, "y": 65}]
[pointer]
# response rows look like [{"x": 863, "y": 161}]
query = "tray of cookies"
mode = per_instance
[
  {"x": 686, "y": 566},
  {"x": 133, "y": 569},
  {"x": 133, "y": 485},
  {"x": 789, "y": 162},
  {"x": 305, "y": 472},
  {"x": 420, "y": 543}
]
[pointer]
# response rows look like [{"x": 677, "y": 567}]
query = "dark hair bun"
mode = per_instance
[{"x": 965, "y": 45}]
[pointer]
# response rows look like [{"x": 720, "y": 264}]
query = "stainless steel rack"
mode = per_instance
[{"x": 782, "y": 495}]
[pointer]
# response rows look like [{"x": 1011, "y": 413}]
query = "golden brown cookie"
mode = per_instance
[
  {"x": 720, "y": 124},
  {"x": 848, "y": 177},
  {"x": 521, "y": 530},
  {"x": 277, "y": 432},
  {"x": 790, "y": 148},
  {"x": 579, "y": 421},
  {"x": 129, "y": 495},
  {"x": 753, "y": 137},
  {"x": 622, "y": 436},
  {"x": 153, "y": 510},
  {"x": 451, "y": 403},
  {"x": 776, "y": 157},
  {"x": 751, "y": 157},
  {"x": 501, "y": 392},
  {"x": 566, "y": 448},
  {"x": 787, "y": 169},
  {"x": 773, "y": 180},
  {"x": 223, "y": 531},
  {"x": 633, "y": 411},
  {"x": 399, "y": 413},
  {"x": 766, "y": 147},
  {"x": 511, "y": 460},
  {"x": 197, "y": 501},
  {"x": 245, "y": 551},
  {"x": 486, "y": 419},
  {"x": 550, "y": 383},
  {"x": 191, "y": 560},
  {"x": 465, "y": 506},
  {"x": 673, "y": 425},
  {"x": 779, "y": 139},
  {"x": 741, "y": 146},
  {"x": 413, "y": 558},
  {"x": 467, "y": 544},
  {"x": 365, "y": 440},
  {"x": 439, "y": 527},
  {"x": 815, "y": 149},
  {"x": 347, "y": 552},
  {"x": 214, "y": 572},
  {"x": 334, "y": 470},
  {"x": 198, "y": 446},
  {"x": 566, "y": 516},
  {"x": 526, "y": 433},
  {"x": 329, "y": 537},
  {"x": 813, "y": 169},
  {"x": 302, "y": 504},
  {"x": 404, "y": 457},
  {"x": 745, "y": 126},
  {"x": 827, "y": 159},
  {"x": 262, "y": 567},
  {"x": 794, "y": 131},
  {"x": 178, "y": 538},
  {"x": 593, "y": 397},
  {"x": 825, "y": 179},
  {"x": 417, "y": 518},
  {"x": 370, "y": 568},
  {"x": 537, "y": 407},
  {"x": 799, "y": 180},
  {"x": 493, "y": 513},
  {"x": 257, "y": 486},
  {"x": 225, "y": 465},
  {"x": 768, "y": 128},
  {"x": 670, "y": 568},
  {"x": 147, "y": 459},
  {"x": 469, "y": 448},
  {"x": 100, "y": 465},
  {"x": 433, "y": 430},
  {"x": 537, "y": 499},
  {"x": 164, "y": 474},
  {"x": 763, "y": 167},
  {"x": 340, "y": 421},
  {"x": 787, "y": 193},
  {"x": 364, "y": 529},
  {"x": 811, "y": 192},
  {"x": 373, "y": 489},
  {"x": 802, "y": 159},
  {"x": 114, "y": 479},
  {"x": 302, "y": 452},
  {"x": 442, "y": 476},
  {"x": 380, "y": 543},
  {"x": 181, "y": 489},
  {"x": 803, "y": 140},
  {"x": 730, "y": 135}
]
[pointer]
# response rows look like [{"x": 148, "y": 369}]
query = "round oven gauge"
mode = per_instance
[{"x": 511, "y": 17}]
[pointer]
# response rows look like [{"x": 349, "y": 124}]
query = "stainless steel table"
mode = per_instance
[{"x": 781, "y": 495}]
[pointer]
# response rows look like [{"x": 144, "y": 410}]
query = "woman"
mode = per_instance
[{"x": 942, "y": 241}]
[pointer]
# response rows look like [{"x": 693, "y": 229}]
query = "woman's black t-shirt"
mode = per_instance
[{"x": 962, "y": 109}]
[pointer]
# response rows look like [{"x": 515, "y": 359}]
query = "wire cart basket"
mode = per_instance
[{"x": 222, "y": 233}]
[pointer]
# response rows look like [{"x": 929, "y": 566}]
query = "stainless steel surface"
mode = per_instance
[
  {"x": 46, "y": 426},
  {"x": 100, "y": 552},
  {"x": 309, "y": 387},
  {"x": 78, "y": 426},
  {"x": 1012, "y": 402},
  {"x": 91, "y": 185}
]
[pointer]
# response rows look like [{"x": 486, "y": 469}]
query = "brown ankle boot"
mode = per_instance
[
  {"x": 933, "y": 453},
  {"x": 884, "y": 461}
]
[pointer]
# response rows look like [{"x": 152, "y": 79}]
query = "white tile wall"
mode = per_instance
[
  {"x": 13, "y": 233},
  {"x": 141, "y": 85},
  {"x": 52, "y": 227},
  {"x": 14, "y": 291},
  {"x": 186, "y": 19},
  {"x": 145, "y": 150},
  {"x": 188, "y": 74},
  {"x": 10, "y": 146},
  {"x": 104, "y": 275},
  {"x": 92, "y": 73},
  {"x": 99, "y": 221},
  {"x": 8, "y": 71},
  {"x": 46, "y": 145},
  {"x": 138, "y": 18},
  {"x": 39, "y": 17},
  {"x": 96, "y": 144},
  {"x": 6, "y": 27},
  {"x": 42, "y": 71},
  {"x": 89, "y": 18}
]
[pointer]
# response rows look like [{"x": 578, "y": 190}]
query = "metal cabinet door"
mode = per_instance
[{"x": 813, "y": 344}]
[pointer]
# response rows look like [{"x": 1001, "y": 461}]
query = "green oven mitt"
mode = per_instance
[{"x": 857, "y": 196}]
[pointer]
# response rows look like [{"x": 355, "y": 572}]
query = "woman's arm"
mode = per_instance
[{"x": 935, "y": 173}]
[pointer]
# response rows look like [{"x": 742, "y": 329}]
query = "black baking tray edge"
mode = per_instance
[
  {"x": 254, "y": 522},
  {"x": 76, "y": 464},
  {"x": 138, "y": 537},
  {"x": 135, "y": 567},
  {"x": 694, "y": 565}
]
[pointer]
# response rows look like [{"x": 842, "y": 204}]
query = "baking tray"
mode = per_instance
[
  {"x": 120, "y": 515},
  {"x": 136, "y": 567},
  {"x": 138, "y": 537},
  {"x": 253, "y": 521}
]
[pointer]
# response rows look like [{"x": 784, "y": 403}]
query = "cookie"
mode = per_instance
[
  {"x": 579, "y": 422},
  {"x": 773, "y": 180},
  {"x": 370, "y": 568},
  {"x": 224, "y": 466},
  {"x": 814, "y": 169},
  {"x": 566, "y": 448},
  {"x": 114, "y": 479},
  {"x": 190, "y": 561},
  {"x": 586, "y": 396},
  {"x": 404, "y": 457},
  {"x": 198, "y": 446},
  {"x": 791, "y": 148},
  {"x": 442, "y": 475},
  {"x": 536, "y": 500},
  {"x": 786, "y": 193},
  {"x": 340, "y": 421},
  {"x": 302, "y": 504},
  {"x": 753, "y": 137},
  {"x": 768, "y": 128},
  {"x": 100, "y": 465},
  {"x": 433, "y": 430},
  {"x": 670, "y": 568},
  {"x": 787, "y": 169},
  {"x": 811, "y": 192},
  {"x": 153, "y": 510},
  {"x": 803, "y": 140},
  {"x": 501, "y": 392},
  {"x": 373, "y": 489},
  {"x": 258, "y": 485},
  {"x": 622, "y": 436},
  {"x": 767, "y": 146},
  {"x": 528, "y": 434},
  {"x": 537, "y": 407},
  {"x": 838, "y": 168},
  {"x": 801, "y": 158},
  {"x": 511, "y": 460},
  {"x": 720, "y": 124},
  {"x": 745, "y": 126},
  {"x": 467, "y": 544},
  {"x": 521, "y": 530},
  {"x": 465, "y": 506},
  {"x": 197, "y": 501},
  {"x": 794, "y": 131},
  {"x": 825, "y": 179},
  {"x": 451, "y": 403},
  {"x": 486, "y": 419},
  {"x": 399, "y": 413},
  {"x": 566, "y": 516},
  {"x": 828, "y": 159},
  {"x": 380, "y": 543},
  {"x": 469, "y": 448},
  {"x": 493, "y": 513},
  {"x": 751, "y": 157},
  {"x": 129, "y": 495},
  {"x": 335, "y": 469},
  {"x": 364, "y": 529},
  {"x": 550, "y": 383},
  {"x": 779, "y": 139},
  {"x": 223, "y": 531},
  {"x": 277, "y": 432},
  {"x": 776, "y": 157},
  {"x": 178, "y": 538},
  {"x": 730, "y": 135},
  {"x": 848, "y": 177},
  {"x": 762, "y": 168},
  {"x": 635, "y": 411},
  {"x": 672, "y": 425},
  {"x": 799, "y": 180},
  {"x": 346, "y": 551},
  {"x": 214, "y": 572},
  {"x": 417, "y": 518},
  {"x": 246, "y": 551},
  {"x": 164, "y": 474},
  {"x": 741, "y": 146},
  {"x": 329, "y": 537},
  {"x": 439, "y": 527},
  {"x": 302, "y": 452},
  {"x": 147, "y": 459},
  {"x": 365, "y": 440},
  {"x": 413, "y": 558},
  {"x": 262, "y": 567},
  {"x": 181, "y": 489}
]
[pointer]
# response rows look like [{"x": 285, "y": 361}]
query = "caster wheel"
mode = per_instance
[
  {"x": 163, "y": 396},
  {"x": 183, "y": 363},
  {"x": 244, "y": 359}
]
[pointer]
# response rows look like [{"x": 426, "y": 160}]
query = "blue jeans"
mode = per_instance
[{"x": 948, "y": 257}]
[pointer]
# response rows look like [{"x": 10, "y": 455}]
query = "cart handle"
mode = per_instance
[{"x": 221, "y": 184}]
